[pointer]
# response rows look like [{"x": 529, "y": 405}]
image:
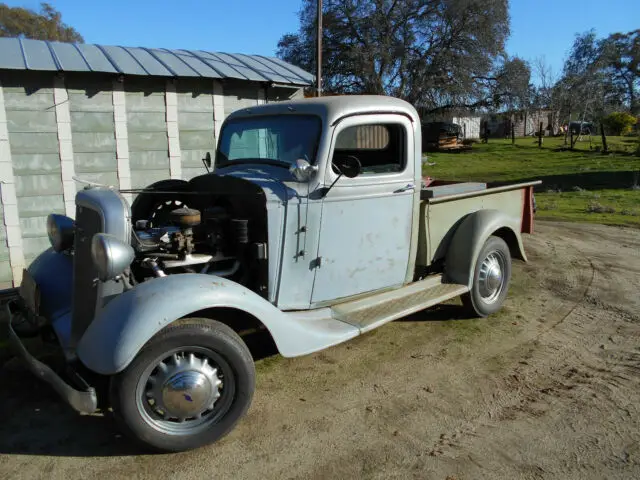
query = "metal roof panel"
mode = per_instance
[
  {"x": 11, "y": 54},
  {"x": 191, "y": 59},
  {"x": 172, "y": 61},
  {"x": 261, "y": 68},
  {"x": 240, "y": 67},
  {"x": 69, "y": 57},
  {"x": 214, "y": 62},
  {"x": 148, "y": 62},
  {"x": 306, "y": 76},
  {"x": 123, "y": 60},
  {"x": 27, "y": 54},
  {"x": 96, "y": 58},
  {"x": 37, "y": 55}
]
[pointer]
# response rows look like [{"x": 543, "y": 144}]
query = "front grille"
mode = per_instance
[
  {"x": 86, "y": 290},
  {"x": 97, "y": 211}
]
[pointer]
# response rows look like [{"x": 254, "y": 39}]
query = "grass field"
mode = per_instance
[{"x": 582, "y": 185}]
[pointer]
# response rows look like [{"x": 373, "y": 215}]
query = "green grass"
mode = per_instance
[{"x": 583, "y": 185}]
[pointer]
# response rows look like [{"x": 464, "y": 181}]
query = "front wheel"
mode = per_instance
[
  {"x": 491, "y": 277},
  {"x": 188, "y": 386}
]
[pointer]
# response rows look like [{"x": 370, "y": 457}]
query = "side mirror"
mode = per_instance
[
  {"x": 207, "y": 161},
  {"x": 347, "y": 165},
  {"x": 302, "y": 170},
  {"x": 110, "y": 256}
]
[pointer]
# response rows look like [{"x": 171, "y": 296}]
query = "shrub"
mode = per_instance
[
  {"x": 597, "y": 207},
  {"x": 619, "y": 123},
  {"x": 548, "y": 206}
]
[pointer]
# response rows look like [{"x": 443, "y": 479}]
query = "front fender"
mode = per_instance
[
  {"x": 470, "y": 237},
  {"x": 130, "y": 320},
  {"x": 53, "y": 273}
]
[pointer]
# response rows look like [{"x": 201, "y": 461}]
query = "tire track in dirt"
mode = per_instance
[
  {"x": 523, "y": 394},
  {"x": 526, "y": 394}
]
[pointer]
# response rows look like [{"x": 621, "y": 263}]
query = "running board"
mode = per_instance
[{"x": 378, "y": 309}]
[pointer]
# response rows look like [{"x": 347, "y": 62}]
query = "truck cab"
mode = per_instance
[
  {"x": 327, "y": 226},
  {"x": 313, "y": 226}
]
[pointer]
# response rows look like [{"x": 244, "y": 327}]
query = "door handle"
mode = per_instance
[{"x": 408, "y": 186}]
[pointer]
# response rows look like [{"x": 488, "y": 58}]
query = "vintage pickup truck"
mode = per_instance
[{"x": 314, "y": 226}]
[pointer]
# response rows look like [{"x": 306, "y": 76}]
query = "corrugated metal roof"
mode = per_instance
[{"x": 26, "y": 54}]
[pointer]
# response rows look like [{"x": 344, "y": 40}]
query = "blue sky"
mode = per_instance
[{"x": 538, "y": 27}]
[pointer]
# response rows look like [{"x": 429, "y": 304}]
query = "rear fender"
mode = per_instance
[
  {"x": 130, "y": 320},
  {"x": 470, "y": 237}
]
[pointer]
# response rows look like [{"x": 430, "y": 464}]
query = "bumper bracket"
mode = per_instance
[{"x": 83, "y": 401}]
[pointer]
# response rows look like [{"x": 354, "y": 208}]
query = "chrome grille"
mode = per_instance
[
  {"x": 97, "y": 211},
  {"x": 85, "y": 289}
]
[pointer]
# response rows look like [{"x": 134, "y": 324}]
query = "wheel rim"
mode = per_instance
[
  {"x": 491, "y": 277},
  {"x": 184, "y": 391}
]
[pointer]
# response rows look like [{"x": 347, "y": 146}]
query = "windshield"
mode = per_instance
[{"x": 280, "y": 139}]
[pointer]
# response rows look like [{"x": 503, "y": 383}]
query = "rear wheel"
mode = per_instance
[
  {"x": 187, "y": 387},
  {"x": 491, "y": 277}
]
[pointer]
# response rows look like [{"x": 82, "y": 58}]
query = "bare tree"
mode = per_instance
[
  {"x": 544, "y": 95},
  {"x": 433, "y": 53}
]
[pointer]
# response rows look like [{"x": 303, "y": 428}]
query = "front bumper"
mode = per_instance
[{"x": 84, "y": 401}]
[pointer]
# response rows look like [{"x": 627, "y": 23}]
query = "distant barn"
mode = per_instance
[{"x": 114, "y": 115}]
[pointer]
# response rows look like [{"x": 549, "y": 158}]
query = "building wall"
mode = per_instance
[
  {"x": 92, "y": 130},
  {"x": 470, "y": 126},
  {"x": 35, "y": 157},
  {"x": 126, "y": 133},
  {"x": 196, "y": 125},
  {"x": 525, "y": 123}
]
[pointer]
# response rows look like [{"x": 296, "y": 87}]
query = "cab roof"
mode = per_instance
[{"x": 333, "y": 108}]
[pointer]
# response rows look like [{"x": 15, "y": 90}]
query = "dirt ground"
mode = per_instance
[{"x": 549, "y": 388}]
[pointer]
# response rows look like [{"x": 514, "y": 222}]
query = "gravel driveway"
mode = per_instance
[{"x": 549, "y": 388}]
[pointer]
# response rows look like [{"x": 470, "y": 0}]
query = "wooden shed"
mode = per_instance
[
  {"x": 113, "y": 115},
  {"x": 469, "y": 122}
]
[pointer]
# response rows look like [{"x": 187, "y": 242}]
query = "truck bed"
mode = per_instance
[
  {"x": 445, "y": 203},
  {"x": 440, "y": 188}
]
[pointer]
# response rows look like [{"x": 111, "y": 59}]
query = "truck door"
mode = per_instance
[{"x": 365, "y": 229}]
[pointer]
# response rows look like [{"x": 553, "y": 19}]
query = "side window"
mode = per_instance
[{"x": 379, "y": 147}]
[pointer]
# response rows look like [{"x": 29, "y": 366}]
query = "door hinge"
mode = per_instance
[{"x": 316, "y": 263}]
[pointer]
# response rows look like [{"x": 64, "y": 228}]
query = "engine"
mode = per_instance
[{"x": 188, "y": 240}]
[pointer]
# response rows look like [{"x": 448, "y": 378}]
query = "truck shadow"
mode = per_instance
[
  {"x": 37, "y": 422},
  {"x": 438, "y": 313}
]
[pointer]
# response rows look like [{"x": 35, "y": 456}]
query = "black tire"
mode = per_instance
[
  {"x": 476, "y": 300},
  {"x": 221, "y": 346}
]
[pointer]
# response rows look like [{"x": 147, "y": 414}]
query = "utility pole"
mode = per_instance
[{"x": 319, "y": 51}]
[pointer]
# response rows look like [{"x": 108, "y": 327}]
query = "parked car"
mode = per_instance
[{"x": 296, "y": 233}]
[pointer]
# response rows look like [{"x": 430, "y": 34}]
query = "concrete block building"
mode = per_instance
[{"x": 114, "y": 115}]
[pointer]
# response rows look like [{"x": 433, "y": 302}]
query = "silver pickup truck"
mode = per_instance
[{"x": 314, "y": 226}]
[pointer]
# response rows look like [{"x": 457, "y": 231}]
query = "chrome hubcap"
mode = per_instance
[
  {"x": 184, "y": 391},
  {"x": 491, "y": 277}
]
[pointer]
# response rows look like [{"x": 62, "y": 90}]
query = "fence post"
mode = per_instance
[
  {"x": 540, "y": 136},
  {"x": 571, "y": 138},
  {"x": 513, "y": 133},
  {"x": 605, "y": 149}
]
